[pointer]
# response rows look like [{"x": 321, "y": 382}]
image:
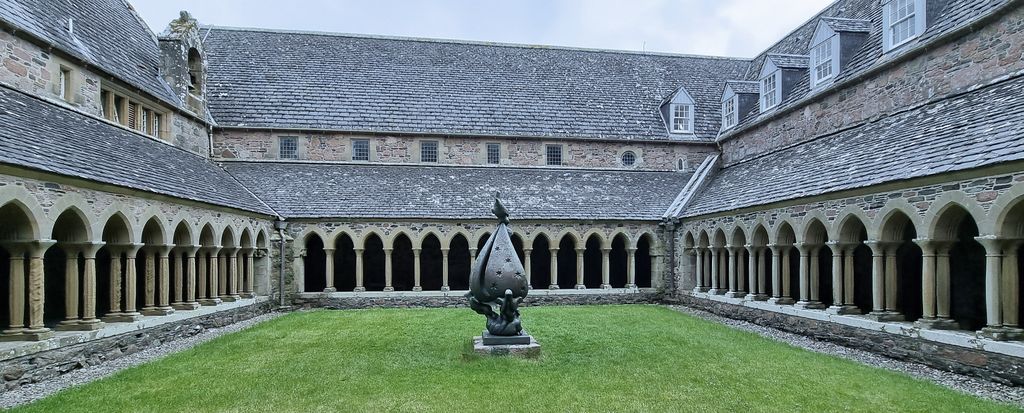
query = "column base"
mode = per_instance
[
  {"x": 885, "y": 316},
  {"x": 581, "y": 287},
  {"x": 1001, "y": 333},
  {"x": 26, "y": 335},
  {"x": 417, "y": 289},
  {"x": 330, "y": 290},
  {"x": 843, "y": 310},
  {"x": 359, "y": 289},
  {"x": 446, "y": 288},
  {"x": 809, "y": 305},
  {"x": 553, "y": 287},
  {"x": 157, "y": 311},
  {"x": 736, "y": 294},
  {"x": 248, "y": 295},
  {"x": 79, "y": 325},
  {"x": 210, "y": 301},
  {"x": 781, "y": 301},
  {"x": 756, "y": 297},
  {"x": 389, "y": 289},
  {"x": 230, "y": 298},
  {"x": 606, "y": 286},
  {"x": 701, "y": 289},
  {"x": 185, "y": 306},
  {"x": 630, "y": 286},
  {"x": 937, "y": 324},
  {"x": 122, "y": 317},
  {"x": 716, "y": 291}
]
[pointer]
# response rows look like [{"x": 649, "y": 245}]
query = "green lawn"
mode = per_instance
[{"x": 597, "y": 358}]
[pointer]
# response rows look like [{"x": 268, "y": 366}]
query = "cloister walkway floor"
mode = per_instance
[{"x": 596, "y": 358}]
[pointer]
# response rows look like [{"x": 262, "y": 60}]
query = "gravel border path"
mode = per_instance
[
  {"x": 35, "y": 391},
  {"x": 964, "y": 384}
]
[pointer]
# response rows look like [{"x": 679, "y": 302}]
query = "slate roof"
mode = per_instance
[
  {"x": 744, "y": 87},
  {"x": 107, "y": 34},
  {"x": 979, "y": 128},
  {"x": 788, "y": 61},
  {"x": 317, "y": 190},
  {"x": 858, "y": 15},
  {"x": 39, "y": 135},
  {"x": 848, "y": 25},
  {"x": 276, "y": 79}
]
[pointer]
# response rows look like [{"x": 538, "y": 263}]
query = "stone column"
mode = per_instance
[
  {"x": 730, "y": 264},
  {"x": 927, "y": 279},
  {"x": 149, "y": 281},
  {"x": 222, "y": 274},
  {"x": 329, "y": 270},
  {"x": 787, "y": 275},
  {"x": 716, "y": 269},
  {"x": 877, "y": 277},
  {"x": 527, "y": 254},
  {"x": 630, "y": 268},
  {"x": 250, "y": 274},
  {"x": 752, "y": 265},
  {"x": 891, "y": 279},
  {"x": 444, "y": 270},
  {"x": 553, "y": 251},
  {"x": 71, "y": 293},
  {"x": 388, "y": 287},
  {"x": 942, "y": 287},
  {"x": 203, "y": 259},
  {"x": 417, "y": 269},
  {"x": 177, "y": 256},
  {"x": 36, "y": 295},
  {"x": 579, "y": 269},
  {"x": 233, "y": 275},
  {"x": 190, "y": 303},
  {"x": 89, "y": 320},
  {"x": 1011, "y": 286},
  {"x": 780, "y": 275},
  {"x": 735, "y": 264},
  {"x": 700, "y": 287},
  {"x": 842, "y": 279},
  {"x": 993, "y": 284},
  {"x": 360, "y": 287},
  {"x": 131, "y": 280},
  {"x": 158, "y": 273},
  {"x": 808, "y": 277},
  {"x": 606, "y": 275},
  {"x": 214, "y": 276},
  {"x": 741, "y": 272},
  {"x": 472, "y": 255},
  {"x": 115, "y": 276},
  {"x": 16, "y": 291}
]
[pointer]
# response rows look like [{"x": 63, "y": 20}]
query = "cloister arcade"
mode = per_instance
[
  {"x": 430, "y": 261},
  {"x": 72, "y": 270},
  {"x": 953, "y": 266}
]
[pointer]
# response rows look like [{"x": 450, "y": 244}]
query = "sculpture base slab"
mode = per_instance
[
  {"x": 530, "y": 350},
  {"x": 493, "y": 340}
]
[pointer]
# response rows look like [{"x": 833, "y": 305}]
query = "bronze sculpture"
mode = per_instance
[{"x": 497, "y": 284}]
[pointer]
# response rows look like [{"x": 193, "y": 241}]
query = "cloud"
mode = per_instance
[{"x": 710, "y": 27}]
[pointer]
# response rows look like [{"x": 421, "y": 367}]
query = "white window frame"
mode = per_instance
[
  {"x": 281, "y": 143},
  {"x": 355, "y": 152},
  {"x": 819, "y": 61},
  {"x": 681, "y": 122},
  {"x": 917, "y": 19},
  {"x": 729, "y": 112},
  {"x": 771, "y": 98}
]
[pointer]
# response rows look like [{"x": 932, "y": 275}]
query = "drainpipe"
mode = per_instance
[{"x": 280, "y": 226}]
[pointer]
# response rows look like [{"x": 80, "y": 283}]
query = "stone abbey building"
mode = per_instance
[{"x": 862, "y": 180}]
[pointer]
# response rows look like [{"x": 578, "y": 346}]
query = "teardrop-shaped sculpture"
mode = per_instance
[{"x": 498, "y": 269}]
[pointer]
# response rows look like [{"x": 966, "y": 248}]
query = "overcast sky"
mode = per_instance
[{"x": 740, "y": 28}]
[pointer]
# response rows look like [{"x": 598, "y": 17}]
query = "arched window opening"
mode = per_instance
[
  {"x": 315, "y": 276},
  {"x": 567, "y": 263},
  {"x": 402, "y": 273},
  {"x": 644, "y": 262},
  {"x": 373, "y": 263},
  {"x": 344, "y": 263},
  {"x": 459, "y": 264},
  {"x": 967, "y": 273},
  {"x": 618, "y": 263},
  {"x": 431, "y": 264},
  {"x": 592, "y": 262},
  {"x": 540, "y": 263},
  {"x": 195, "y": 72}
]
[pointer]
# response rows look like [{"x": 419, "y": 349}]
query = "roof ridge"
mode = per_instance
[
  {"x": 438, "y": 165},
  {"x": 845, "y": 18},
  {"x": 471, "y": 42}
]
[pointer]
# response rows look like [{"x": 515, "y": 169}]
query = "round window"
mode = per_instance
[{"x": 628, "y": 158}]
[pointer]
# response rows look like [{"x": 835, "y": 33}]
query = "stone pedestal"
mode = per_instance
[
  {"x": 122, "y": 317},
  {"x": 843, "y": 310},
  {"x": 185, "y": 306},
  {"x": 885, "y": 316},
  {"x": 781, "y": 301},
  {"x": 1001, "y": 333},
  {"x": 523, "y": 346}
]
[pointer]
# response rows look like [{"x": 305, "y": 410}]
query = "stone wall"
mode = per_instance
[
  {"x": 991, "y": 366},
  {"x": 48, "y": 365},
  {"x": 31, "y": 69},
  {"x": 261, "y": 145},
  {"x": 979, "y": 57},
  {"x": 452, "y": 301}
]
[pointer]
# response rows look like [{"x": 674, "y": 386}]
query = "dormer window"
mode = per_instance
[
  {"x": 821, "y": 61},
  {"x": 678, "y": 112},
  {"x": 903, "y": 21},
  {"x": 682, "y": 118},
  {"x": 729, "y": 118},
  {"x": 770, "y": 91}
]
